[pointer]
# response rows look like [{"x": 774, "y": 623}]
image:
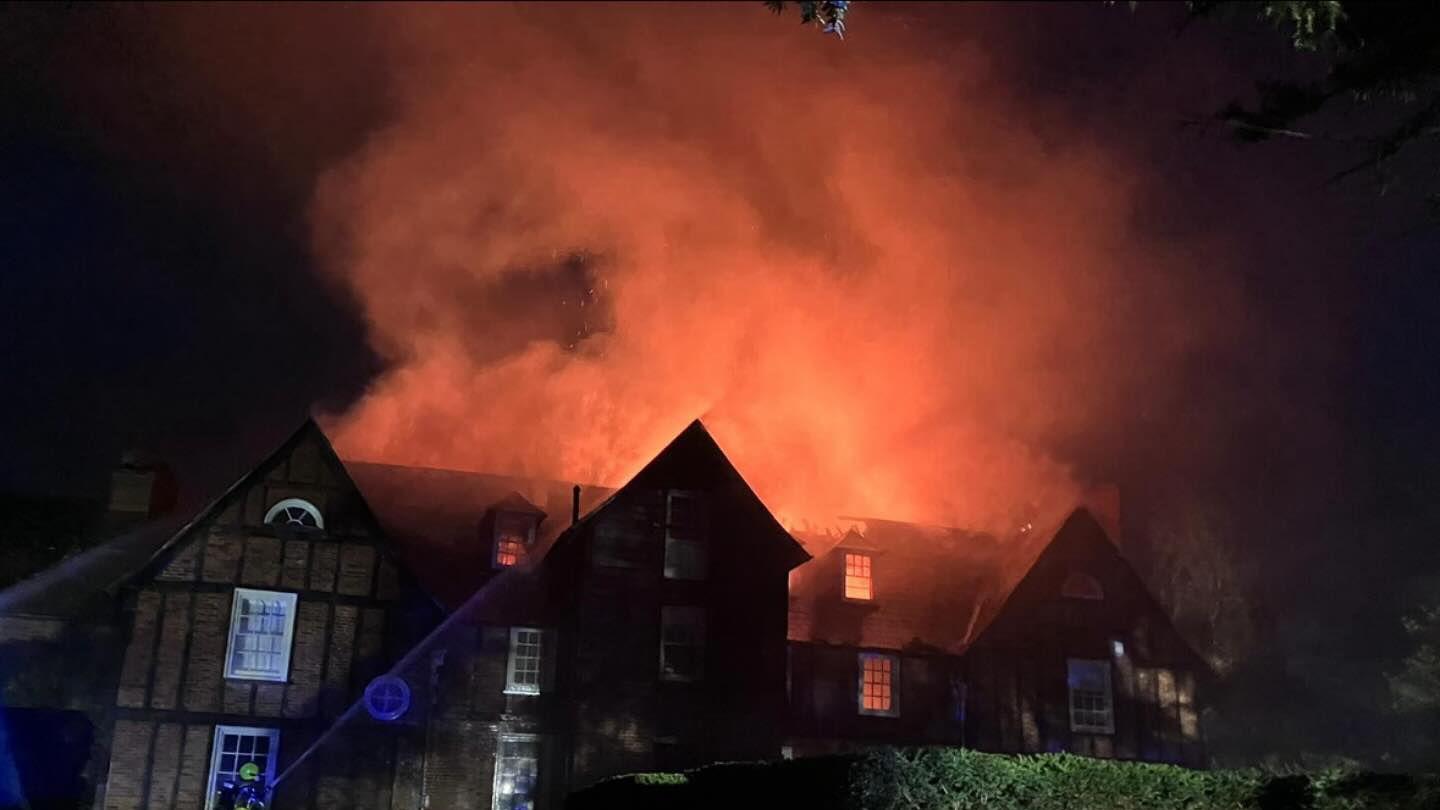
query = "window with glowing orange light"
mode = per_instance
[
  {"x": 859, "y": 583},
  {"x": 879, "y": 679},
  {"x": 514, "y": 534}
]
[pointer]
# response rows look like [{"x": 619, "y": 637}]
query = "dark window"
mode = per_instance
[
  {"x": 623, "y": 533},
  {"x": 1091, "y": 708},
  {"x": 1082, "y": 586},
  {"x": 682, "y": 643},
  {"x": 685, "y": 556}
]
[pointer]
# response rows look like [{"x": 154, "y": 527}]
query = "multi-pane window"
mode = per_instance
[
  {"x": 1092, "y": 708},
  {"x": 295, "y": 513},
  {"x": 858, "y": 581},
  {"x": 517, "y": 772},
  {"x": 684, "y": 536},
  {"x": 236, "y": 745},
  {"x": 261, "y": 626},
  {"x": 682, "y": 643},
  {"x": 522, "y": 674},
  {"x": 514, "y": 535},
  {"x": 879, "y": 675}
]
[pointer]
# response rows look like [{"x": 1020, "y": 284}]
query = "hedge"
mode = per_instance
[{"x": 956, "y": 779}]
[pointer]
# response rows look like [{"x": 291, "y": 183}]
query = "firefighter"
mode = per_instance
[{"x": 245, "y": 792}]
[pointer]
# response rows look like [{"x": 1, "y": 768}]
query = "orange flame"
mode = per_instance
[{"x": 877, "y": 278}]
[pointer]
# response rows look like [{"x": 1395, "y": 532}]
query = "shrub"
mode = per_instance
[{"x": 957, "y": 779}]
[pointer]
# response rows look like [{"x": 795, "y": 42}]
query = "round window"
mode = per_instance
[
  {"x": 295, "y": 512},
  {"x": 387, "y": 698}
]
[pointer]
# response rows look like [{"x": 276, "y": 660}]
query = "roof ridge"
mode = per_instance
[{"x": 509, "y": 476}]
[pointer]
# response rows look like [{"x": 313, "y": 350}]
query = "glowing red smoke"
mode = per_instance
[{"x": 876, "y": 278}]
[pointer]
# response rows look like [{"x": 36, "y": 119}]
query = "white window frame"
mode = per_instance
[
  {"x": 694, "y": 616},
  {"x": 860, "y": 659},
  {"x": 500, "y": 741},
  {"x": 297, "y": 503},
  {"x": 1076, "y": 725},
  {"x": 694, "y": 549},
  {"x": 869, "y": 577},
  {"x": 530, "y": 522},
  {"x": 271, "y": 757},
  {"x": 511, "y": 686},
  {"x": 291, "y": 602}
]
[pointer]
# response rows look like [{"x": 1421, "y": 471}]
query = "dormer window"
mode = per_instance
[
  {"x": 859, "y": 580},
  {"x": 295, "y": 513},
  {"x": 1080, "y": 585},
  {"x": 514, "y": 537}
]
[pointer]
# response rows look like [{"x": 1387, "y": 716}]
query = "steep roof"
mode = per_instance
[
  {"x": 76, "y": 585},
  {"x": 694, "y": 458},
  {"x": 434, "y": 519},
  {"x": 79, "y": 584},
  {"x": 935, "y": 588}
]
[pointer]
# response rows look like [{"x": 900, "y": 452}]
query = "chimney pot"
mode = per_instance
[
  {"x": 140, "y": 488},
  {"x": 575, "y": 506}
]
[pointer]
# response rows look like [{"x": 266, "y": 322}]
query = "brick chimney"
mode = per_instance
[
  {"x": 141, "y": 488},
  {"x": 1103, "y": 501}
]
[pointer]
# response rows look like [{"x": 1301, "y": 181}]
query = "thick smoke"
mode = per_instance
[{"x": 884, "y": 287}]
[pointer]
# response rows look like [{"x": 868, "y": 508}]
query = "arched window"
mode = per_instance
[
  {"x": 295, "y": 512},
  {"x": 1081, "y": 586}
]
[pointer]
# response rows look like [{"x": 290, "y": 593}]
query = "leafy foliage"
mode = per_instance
[
  {"x": 959, "y": 779},
  {"x": 1416, "y": 685},
  {"x": 828, "y": 14},
  {"x": 1382, "y": 56}
]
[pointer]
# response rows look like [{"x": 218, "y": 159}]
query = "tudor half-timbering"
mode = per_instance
[
  {"x": 421, "y": 638},
  {"x": 251, "y": 630}
]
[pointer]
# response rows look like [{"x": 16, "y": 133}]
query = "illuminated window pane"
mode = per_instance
[
  {"x": 858, "y": 582},
  {"x": 878, "y": 680},
  {"x": 514, "y": 534}
]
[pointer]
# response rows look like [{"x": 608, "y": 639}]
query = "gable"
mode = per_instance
[
  {"x": 693, "y": 461},
  {"x": 1039, "y": 609},
  {"x": 933, "y": 588},
  {"x": 231, "y": 542}
]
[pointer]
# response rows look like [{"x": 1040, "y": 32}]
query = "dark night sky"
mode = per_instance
[{"x": 158, "y": 288}]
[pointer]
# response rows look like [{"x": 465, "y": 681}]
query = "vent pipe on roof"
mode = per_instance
[{"x": 575, "y": 506}]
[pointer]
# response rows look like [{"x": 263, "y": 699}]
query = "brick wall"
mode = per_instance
[{"x": 171, "y": 690}]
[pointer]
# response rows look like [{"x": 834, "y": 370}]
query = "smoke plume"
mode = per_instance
[{"x": 882, "y": 282}]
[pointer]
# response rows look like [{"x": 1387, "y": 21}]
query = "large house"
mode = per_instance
[{"x": 375, "y": 636}]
